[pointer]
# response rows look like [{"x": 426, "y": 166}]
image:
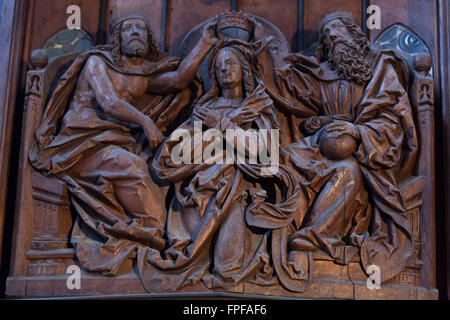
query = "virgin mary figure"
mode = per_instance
[{"x": 221, "y": 214}]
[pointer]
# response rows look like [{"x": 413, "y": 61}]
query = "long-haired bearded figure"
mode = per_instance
[
  {"x": 359, "y": 141},
  {"x": 104, "y": 118},
  {"x": 213, "y": 225}
]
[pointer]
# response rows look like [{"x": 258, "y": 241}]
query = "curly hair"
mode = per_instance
[
  {"x": 349, "y": 59},
  {"x": 152, "y": 53},
  {"x": 249, "y": 66},
  {"x": 322, "y": 50}
]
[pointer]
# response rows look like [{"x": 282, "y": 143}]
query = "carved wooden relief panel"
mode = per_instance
[{"x": 236, "y": 167}]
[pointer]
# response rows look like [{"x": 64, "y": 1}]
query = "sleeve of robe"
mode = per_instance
[
  {"x": 384, "y": 119},
  {"x": 296, "y": 90}
]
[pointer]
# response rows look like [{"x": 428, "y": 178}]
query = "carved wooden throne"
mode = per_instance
[{"x": 43, "y": 219}]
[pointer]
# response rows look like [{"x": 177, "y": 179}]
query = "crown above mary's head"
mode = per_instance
[{"x": 233, "y": 19}]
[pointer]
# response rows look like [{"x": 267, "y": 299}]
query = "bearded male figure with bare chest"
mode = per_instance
[{"x": 91, "y": 137}]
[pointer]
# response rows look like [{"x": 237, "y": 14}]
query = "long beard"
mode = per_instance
[
  {"x": 135, "y": 48},
  {"x": 350, "y": 62}
]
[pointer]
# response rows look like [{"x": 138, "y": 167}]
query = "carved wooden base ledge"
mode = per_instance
[{"x": 329, "y": 281}]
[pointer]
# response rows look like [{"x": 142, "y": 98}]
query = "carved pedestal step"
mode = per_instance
[
  {"x": 329, "y": 281},
  {"x": 49, "y": 255},
  {"x": 55, "y": 263},
  {"x": 410, "y": 276},
  {"x": 411, "y": 191},
  {"x": 49, "y": 263}
]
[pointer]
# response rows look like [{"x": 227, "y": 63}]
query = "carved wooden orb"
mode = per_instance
[
  {"x": 39, "y": 58},
  {"x": 336, "y": 148},
  {"x": 422, "y": 62}
]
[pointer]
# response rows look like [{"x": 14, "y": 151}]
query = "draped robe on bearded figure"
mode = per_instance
[
  {"x": 359, "y": 142},
  {"x": 92, "y": 136}
]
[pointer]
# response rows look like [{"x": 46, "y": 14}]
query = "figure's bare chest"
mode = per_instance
[{"x": 128, "y": 87}]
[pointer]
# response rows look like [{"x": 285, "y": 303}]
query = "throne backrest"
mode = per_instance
[{"x": 43, "y": 218}]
